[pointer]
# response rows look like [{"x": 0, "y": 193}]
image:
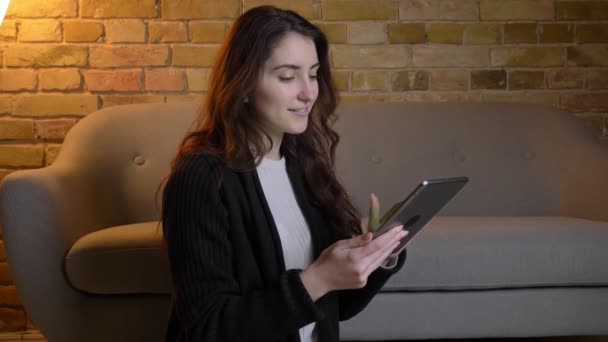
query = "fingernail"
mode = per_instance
[
  {"x": 400, "y": 227},
  {"x": 403, "y": 234}
]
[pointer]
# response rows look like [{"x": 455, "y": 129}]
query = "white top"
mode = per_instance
[{"x": 291, "y": 225}]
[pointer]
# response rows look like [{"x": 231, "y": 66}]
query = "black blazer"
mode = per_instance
[{"x": 228, "y": 272}]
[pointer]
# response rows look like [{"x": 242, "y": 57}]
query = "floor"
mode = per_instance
[{"x": 35, "y": 336}]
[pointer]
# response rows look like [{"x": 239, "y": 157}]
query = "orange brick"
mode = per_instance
[
  {"x": 488, "y": 79},
  {"x": 520, "y": 33},
  {"x": 125, "y": 31},
  {"x": 370, "y": 56},
  {"x": 116, "y": 100},
  {"x": 165, "y": 80},
  {"x": 54, "y": 129},
  {"x": 59, "y": 79},
  {"x": 516, "y": 9},
  {"x": 42, "y": 55},
  {"x": 114, "y": 80},
  {"x": 380, "y": 98},
  {"x": 585, "y": 102},
  {"x": 167, "y": 32},
  {"x": 51, "y": 151},
  {"x": 17, "y": 79},
  {"x": 16, "y": 129},
  {"x": 366, "y": 33},
  {"x": 518, "y": 96},
  {"x": 198, "y": 79},
  {"x": 450, "y": 56},
  {"x": 194, "y": 56},
  {"x": 526, "y": 80},
  {"x": 205, "y": 32},
  {"x": 19, "y": 156},
  {"x": 449, "y": 79},
  {"x": 588, "y": 56},
  {"x": 438, "y": 10},
  {"x": 557, "y": 33},
  {"x": 598, "y": 78},
  {"x": 49, "y": 105},
  {"x": 6, "y": 104},
  {"x": 128, "y": 56},
  {"x": 427, "y": 96},
  {"x": 410, "y": 80},
  {"x": 41, "y": 30},
  {"x": 359, "y": 10},
  {"x": 445, "y": 33},
  {"x": 9, "y": 295},
  {"x": 341, "y": 79},
  {"x": 482, "y": 34},
  {"x": 527, "y": 56},
  {"x": 306, "y": 8},
  {"x": 581, "y": 10},
  {"x": 335, "y": 32},
  {"x": 42, "y": 9},
  {"x": 369, "y": 81},
  {"x": 119, "y": 8},
  {"x": 201, "y": 9},
  {"x": 8, "y": 31},
  {"x": 592, "y": 33},
  {"x": 566, "y": 78},
  {"x": 82, "y": 31},
  {"x": 12, "y": 319},
  {"x": 406, "y": 33}
]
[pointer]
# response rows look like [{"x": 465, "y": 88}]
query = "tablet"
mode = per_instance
[{"x": 419, "y": 207}]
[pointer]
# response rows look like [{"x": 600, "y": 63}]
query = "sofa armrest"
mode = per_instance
[{"x": 44, "y": 211}]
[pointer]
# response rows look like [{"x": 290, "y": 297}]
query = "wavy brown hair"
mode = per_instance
[{"x": 228, "y": 129}]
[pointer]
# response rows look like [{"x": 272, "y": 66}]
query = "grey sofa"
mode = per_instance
[{"x": 520, "y": 251}]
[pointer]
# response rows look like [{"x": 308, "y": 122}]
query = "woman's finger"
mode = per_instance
[
  {"x": 375, "y": 263},
  {"x": 380, "y": 242},
  {"x": 354, "y": 242},
  {"x": 385, "y": 251}
]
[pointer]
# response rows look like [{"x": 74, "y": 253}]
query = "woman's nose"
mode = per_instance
[{"x": 307, "y": 92}]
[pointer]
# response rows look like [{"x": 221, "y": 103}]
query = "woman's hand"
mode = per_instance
[{"x": 348, "y": 263}]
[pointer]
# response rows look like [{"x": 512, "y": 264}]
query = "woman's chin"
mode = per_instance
[{"x": 297, "y": 129}]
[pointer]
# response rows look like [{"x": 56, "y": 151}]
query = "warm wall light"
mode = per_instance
[{"x": 3, "y": 7}]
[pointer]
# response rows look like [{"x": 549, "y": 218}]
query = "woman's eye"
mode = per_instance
[
  {"x": 313, "y": 77},
  {"x": 285, "y": 79}
]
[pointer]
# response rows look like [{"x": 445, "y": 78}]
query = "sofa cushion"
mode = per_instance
[
  {"x": 467, "y": 253},
  {"x": 450, "y": 253},
  {"x": 120, "y": 260}
]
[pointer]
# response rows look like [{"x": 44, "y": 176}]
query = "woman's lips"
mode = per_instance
[{"x": 301, "y": 111}]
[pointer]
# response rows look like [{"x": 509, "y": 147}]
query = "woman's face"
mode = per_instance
[{"x": 288, "y": 87}]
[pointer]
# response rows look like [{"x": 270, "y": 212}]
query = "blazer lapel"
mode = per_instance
[
  {"x": 312, "y": 213},
  {"x": 268, "y": 247}
]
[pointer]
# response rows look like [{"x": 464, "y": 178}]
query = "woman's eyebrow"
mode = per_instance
[{"x": 293, "y": 66}]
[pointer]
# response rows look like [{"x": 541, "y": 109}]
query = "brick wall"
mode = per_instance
[{"x": 63, "y": 59}]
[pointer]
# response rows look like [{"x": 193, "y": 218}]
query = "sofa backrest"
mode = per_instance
[{"x": 521, "y": 159}]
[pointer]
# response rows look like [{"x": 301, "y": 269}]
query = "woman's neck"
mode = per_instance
[{"x": 275, "y": 151}]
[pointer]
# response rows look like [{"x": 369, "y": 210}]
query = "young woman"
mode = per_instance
[{"x": 263, "y": 242}]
